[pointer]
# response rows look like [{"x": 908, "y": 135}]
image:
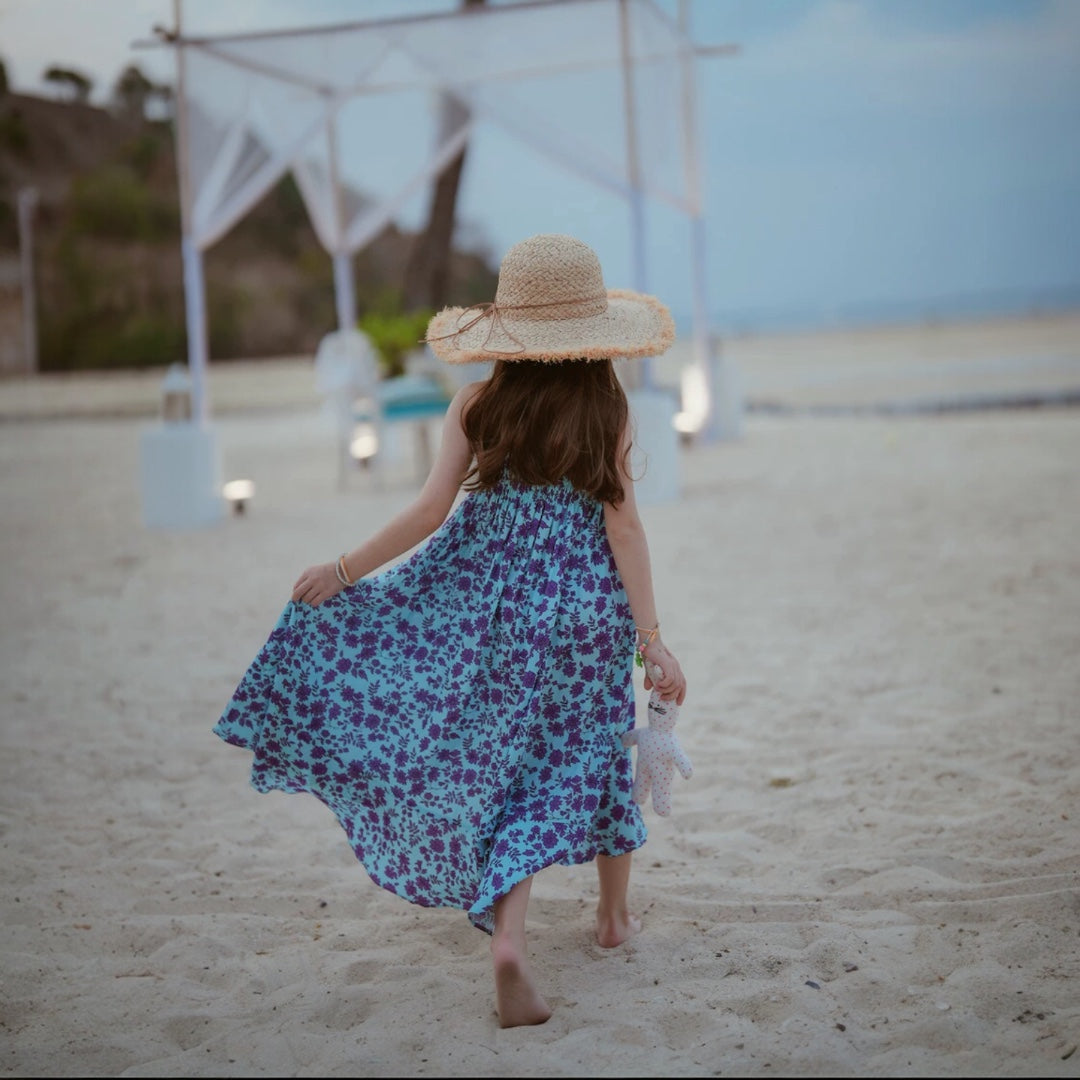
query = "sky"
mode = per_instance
[{"x": 863, "y": 160}]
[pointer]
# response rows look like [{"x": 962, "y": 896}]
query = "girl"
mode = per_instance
[{"x": 461, "y": 712}]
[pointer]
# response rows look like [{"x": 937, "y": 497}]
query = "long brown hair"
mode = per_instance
[{"x": 544, "y": 421}]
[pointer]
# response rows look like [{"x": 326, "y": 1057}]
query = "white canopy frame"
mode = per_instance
[{"x": 294, "y": 88}]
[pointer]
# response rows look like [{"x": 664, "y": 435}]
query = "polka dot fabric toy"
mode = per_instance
[{"x": 659, "y": 754}]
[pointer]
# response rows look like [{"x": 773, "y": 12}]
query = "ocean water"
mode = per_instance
[{"x": 733, "y": 322}]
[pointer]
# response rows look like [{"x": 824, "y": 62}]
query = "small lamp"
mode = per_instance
[
  {"x": 364, "y": 444},
  {"x": 239, "y": 493}
]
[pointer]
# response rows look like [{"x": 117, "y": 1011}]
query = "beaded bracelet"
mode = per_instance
[
  {"x": 342, "y": 573},
  {"x": 650, "y": 636}
]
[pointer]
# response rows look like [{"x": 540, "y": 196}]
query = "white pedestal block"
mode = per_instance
[
  {"x": 727, "y": 404},
  {"x": 654, "y": 460},
  {"x": 180, "y": 476}
]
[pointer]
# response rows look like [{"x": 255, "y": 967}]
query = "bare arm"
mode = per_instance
[
  {"x": 630, "y": 546},
  {"x": 415, "y": 523}
]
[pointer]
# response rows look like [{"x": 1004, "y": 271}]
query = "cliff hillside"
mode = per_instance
[{"x": 107, "y": 250}]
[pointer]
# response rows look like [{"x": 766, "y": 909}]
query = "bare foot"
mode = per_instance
[
  {"x": 516, "y": 998},
  {"x": 612, "y": 930}
]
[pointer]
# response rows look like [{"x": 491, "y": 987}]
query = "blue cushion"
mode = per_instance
[{"x": 409, "y": 397}]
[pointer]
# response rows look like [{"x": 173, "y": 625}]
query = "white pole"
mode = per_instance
[
  {"x": 195, "y": 315},
  {"x": 715, "y": 392},
  {"x": 692, "y": 165},
  {"x": 179, "y": 462},
  {"x": 655, "y": 457},
  {"x": 191, "y": 255},
  {"x": 344, "y": 290},
  {"x": 27, "y": 202},
  {"x": 633, "y": 168},
  {"x": 194, "y": 282},
  {"x": 344, "y": 295}
]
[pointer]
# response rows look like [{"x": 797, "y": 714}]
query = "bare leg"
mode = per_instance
[
  {"x": 614, "y": 923},
  {"x": 516, "y": 998}
]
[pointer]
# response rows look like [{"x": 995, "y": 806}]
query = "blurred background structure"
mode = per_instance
[
  {"x": 605, "y": 88},
  {"x": 867, "y": 164}
]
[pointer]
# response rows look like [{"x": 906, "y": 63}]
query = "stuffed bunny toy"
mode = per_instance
[{"x": 659, "y": 754}]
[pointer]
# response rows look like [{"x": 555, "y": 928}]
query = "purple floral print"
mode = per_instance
[{"x": 461, "y": 712}]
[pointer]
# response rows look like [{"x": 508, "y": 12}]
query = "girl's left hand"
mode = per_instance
[
  {"x": 672, "y": 686},
  {"x": 316, "y": 584}
]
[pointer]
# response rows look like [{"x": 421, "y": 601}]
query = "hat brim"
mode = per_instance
[{"x": 634, "y": 324}]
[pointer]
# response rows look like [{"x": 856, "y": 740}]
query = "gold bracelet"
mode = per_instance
[
  {"x": 649, "y": 635},
  {"x": 344, "y": 573}
]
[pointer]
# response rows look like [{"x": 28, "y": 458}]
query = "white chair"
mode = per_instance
[{"x": 347, "y": 377}]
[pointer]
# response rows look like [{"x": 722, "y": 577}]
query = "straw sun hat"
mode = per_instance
[{"x": 551, "y": 304}]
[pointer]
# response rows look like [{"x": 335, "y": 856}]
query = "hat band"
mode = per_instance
[{"x": 493, "y": 311}]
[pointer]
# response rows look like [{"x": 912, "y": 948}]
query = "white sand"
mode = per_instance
[{"x": 875, "y": 870}]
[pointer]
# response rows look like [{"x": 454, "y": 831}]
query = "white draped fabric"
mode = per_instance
[{"x": 600, "y": 86}]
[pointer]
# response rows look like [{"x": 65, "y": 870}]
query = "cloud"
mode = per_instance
[
  {"x": 96, "y": 36},
  {"x": 841, "y": 48}
]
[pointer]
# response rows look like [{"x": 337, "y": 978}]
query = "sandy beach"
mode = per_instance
[{"x": 874, "y": 871}]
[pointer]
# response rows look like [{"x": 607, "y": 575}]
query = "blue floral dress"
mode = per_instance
[{"x": 461, "y": 712}]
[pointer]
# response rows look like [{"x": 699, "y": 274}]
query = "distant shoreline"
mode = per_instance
[
  {"x": 1050, "y": 303},
  {"x": 1061, "y": 399},
  {"x": 1006, "y": 362}
]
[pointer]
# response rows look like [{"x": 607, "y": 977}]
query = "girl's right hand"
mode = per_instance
[
  {"x": 672, "y": 686},
  {"x": 316, "y": 584}
]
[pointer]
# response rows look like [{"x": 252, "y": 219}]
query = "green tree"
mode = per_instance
[
  {"x": 14, "y": 135},
  {"x": 112, "y": 202},
  {"x": 427, "y": 273},
  {"x": 132, "y": 90},
  {"x": 393, "y": 332},
  {"x": 69, "y": 79}
]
